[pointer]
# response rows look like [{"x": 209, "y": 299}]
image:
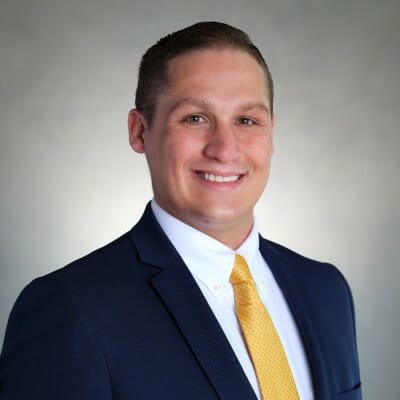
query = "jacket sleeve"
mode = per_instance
[{"x": 51, "y": 349}]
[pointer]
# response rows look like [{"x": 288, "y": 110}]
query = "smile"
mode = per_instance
[{"x": 218, "y": 178}]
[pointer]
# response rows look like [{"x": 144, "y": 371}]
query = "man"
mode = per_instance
[{"x": 170, "y": 310}]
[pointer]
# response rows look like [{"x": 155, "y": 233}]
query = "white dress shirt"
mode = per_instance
[{"x": 211, "y": 262}]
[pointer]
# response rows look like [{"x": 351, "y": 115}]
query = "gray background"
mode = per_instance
[{"x": 70, "y": 183}]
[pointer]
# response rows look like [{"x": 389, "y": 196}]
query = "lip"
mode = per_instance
[{"x": 218, "y": 179}]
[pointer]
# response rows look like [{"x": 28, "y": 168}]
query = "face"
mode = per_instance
[{"x": 210, "y": 143}]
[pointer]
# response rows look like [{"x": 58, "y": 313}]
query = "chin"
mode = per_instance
[{"x": 221, "y": 215}]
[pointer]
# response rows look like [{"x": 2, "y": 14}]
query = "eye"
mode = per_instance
[
  {"x": 246, "y": 121},
  {"x": 194, "y": 119}
]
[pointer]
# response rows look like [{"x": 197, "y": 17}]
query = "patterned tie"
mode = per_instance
[{"x": 264, "y": 346}]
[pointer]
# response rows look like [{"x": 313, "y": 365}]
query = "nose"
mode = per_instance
[{"x": 222, "y": 144}]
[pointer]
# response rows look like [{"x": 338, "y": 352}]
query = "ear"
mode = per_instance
[
  {"x": 273, "y": 120},
  {"x": 137, "y": 127}
]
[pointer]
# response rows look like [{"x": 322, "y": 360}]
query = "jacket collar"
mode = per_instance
[
  {"x": 290, "y": 276},
  {"x": 191, "y": 312}
]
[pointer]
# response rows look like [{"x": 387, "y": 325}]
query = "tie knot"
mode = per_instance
[{"x": 240, "y": 271}]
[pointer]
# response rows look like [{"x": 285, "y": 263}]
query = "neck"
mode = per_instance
[
  {"x": 230, "y": 232},
  {"x": 231, "y": 235}
]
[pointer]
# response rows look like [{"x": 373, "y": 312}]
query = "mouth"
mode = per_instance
[{"x": 218, "y": 178}]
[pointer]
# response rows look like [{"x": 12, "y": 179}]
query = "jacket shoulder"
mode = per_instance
[
  {"x": 50, "y": 326},
  {"x": 100, "y": 259},
  {"x": 313, "y": 271}
]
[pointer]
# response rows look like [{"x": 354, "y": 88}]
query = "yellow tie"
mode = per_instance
[{"x": 265, "y": 348}]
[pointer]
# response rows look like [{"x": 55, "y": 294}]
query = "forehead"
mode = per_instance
[{"x": 206, "y": 67}]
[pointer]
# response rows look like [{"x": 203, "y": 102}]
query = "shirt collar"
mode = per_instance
[{"x": 208, "y": 260}]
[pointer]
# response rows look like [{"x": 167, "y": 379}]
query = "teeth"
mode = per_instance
[{"x": 218, "y": 178}]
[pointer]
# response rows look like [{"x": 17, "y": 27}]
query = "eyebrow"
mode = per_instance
[
  {"x": 252, "y": 106},
  {"x": 208, "y": 106},
  {"x": 192, "y": 102}
]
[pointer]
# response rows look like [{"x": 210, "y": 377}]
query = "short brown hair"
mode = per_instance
[{"x": 153, "y": 77}]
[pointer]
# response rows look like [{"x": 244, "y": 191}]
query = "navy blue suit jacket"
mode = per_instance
[{"x": 129, "y": 322}]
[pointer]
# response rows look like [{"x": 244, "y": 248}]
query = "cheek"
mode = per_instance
[
  {"x": 260, "y": 150},
  {"x": 182, "y": 148}
]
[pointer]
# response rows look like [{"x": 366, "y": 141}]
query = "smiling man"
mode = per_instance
[
  {"x": 209, "y": 143},
  {"x": 191, "y": 303}
]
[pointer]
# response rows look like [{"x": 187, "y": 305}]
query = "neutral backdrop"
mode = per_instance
[{"x": 70, "y": 183}]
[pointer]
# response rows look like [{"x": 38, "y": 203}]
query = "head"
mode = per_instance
[
  {"x": 153, "y": 77},
  {"x": 204, "y": 121}
]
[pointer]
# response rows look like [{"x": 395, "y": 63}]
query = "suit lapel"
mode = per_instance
[
  {"x": 290, "y": 280},
  {"x": 191, "y": 312}
]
